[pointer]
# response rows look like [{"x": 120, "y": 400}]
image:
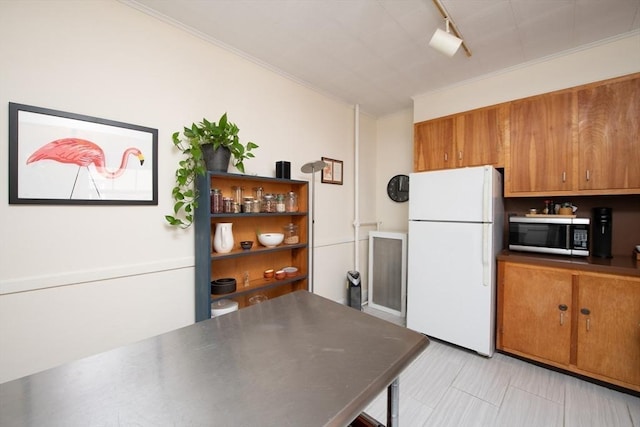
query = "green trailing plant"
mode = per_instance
[{"x": 221, "y": 135}]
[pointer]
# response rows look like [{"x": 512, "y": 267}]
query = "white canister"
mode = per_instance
[{"x": 223, "y": 306}]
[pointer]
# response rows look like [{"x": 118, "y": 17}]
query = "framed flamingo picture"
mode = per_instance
[{"x": 65, "y": 158}]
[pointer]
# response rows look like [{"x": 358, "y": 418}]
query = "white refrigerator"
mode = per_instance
[{"x": 456, "y": 218}]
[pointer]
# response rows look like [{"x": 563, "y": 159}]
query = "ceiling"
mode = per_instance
[{"x": 376, "y": 53}]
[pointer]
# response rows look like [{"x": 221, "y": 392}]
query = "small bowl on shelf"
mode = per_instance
[
  {"x": 223, "y": 286},
  {"x": 290, "y": 271},
  {"x": 280, "y": 274},
  {"x": 246, "y": 244},
  {"x": 270, "y": 240},
  {"x": 268, "y": 274}
]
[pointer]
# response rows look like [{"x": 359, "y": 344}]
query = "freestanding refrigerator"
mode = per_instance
[{"x": 456, "y": 218}]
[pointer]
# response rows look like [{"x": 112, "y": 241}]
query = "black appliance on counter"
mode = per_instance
[{"x": 601, "y": 229}]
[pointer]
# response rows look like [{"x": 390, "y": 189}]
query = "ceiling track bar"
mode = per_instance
[{"x": 452, "y": 26}]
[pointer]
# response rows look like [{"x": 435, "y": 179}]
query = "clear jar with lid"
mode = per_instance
[
  {"x": 247, "y": 204},
  {"x": 268, "y": 203},
  {"x": 258, "y": 193},
  {"x": 227, "y": 204},
  {"x": 216, "y": 200},
  {"x": 291, "y": 234},
  {"x": 237, "y": 194},
  {"x": 292, "y": 202},
  {"x": 280, "y": 205}
]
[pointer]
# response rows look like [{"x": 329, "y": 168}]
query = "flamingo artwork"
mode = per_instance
[{"x": 83, "y": 153}]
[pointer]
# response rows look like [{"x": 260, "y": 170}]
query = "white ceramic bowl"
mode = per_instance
[{"x": 270, "y": 240}]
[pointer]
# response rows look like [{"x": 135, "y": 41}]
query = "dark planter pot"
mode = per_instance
[{"x": 216, "y": 160}]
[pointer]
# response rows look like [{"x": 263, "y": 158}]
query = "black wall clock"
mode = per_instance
[{"x": 398, "y": 188}]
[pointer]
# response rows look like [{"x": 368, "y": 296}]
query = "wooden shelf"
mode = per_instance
[
  {"x": 258, "y": 285},
  {"x": 246, "y": 226},
  {"x": 253, "y": 251}
]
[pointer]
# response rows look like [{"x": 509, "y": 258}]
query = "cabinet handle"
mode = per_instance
[
  {"x": 562, "y": 308},
  {"x": 587, "y": 312},
  {"x": 588, "y": 175},
  {"x": 564, "y": 176},
  {"x": 446, "y": 157},
  {"x": 459, "y": 155}
]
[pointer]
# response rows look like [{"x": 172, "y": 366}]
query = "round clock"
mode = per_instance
[{"x": 398, "y": 188}]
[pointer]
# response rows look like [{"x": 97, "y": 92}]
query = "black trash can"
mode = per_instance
[{"x": 354, "y": 292}]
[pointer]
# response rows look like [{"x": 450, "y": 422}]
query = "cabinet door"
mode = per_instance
[
  {"x": 536, "y": 311},
  {"x": 433, "y": 145},
  {"x": 608, "y": 134},
  {"x": 609, "y": 335},
  {"x": 480, "y": 136},
  {"x": 540, "y": 143}
]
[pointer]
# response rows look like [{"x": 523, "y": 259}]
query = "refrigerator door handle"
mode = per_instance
[
  {"x": 486, "y": 254},
  {"x": 486, "y": 195}
]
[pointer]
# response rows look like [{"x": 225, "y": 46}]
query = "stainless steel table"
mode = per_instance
[{"x": 297, "y": 360}]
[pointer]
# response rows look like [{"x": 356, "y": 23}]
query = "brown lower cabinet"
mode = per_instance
[{"x": 584, "y": 322}]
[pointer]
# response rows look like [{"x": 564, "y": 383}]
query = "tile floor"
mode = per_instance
[{"x": 449, "y": 386}]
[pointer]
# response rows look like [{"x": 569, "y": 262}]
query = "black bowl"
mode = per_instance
[
  {"x": 223, "y": 286},
  {"x": 246, "y": 244}
]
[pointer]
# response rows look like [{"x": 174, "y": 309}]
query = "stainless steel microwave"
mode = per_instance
[{"x": 549, "y": 235}]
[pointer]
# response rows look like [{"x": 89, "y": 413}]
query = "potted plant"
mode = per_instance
[{"x": 207, "y": 146}]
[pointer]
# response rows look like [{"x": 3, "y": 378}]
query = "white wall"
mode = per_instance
[
  {"x": 395, "y": 157},
  {"x": 618, "y": 57},
  {"x": 79, "y": 280}
]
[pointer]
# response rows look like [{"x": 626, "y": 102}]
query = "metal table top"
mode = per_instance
[{"x": 296, "y": 360}]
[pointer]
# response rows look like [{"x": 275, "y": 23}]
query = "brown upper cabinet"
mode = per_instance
[
  {"x": 434, "y": 144},
  {"x": 609, "y": 135},
  {"x": 583, "y": 140},
  {"x": 579, "y": 141},
  {"x": 472, "y": 138},
  {"x": 540, "y": 155}
]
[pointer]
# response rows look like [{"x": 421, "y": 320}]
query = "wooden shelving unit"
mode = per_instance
[{"x": 238, "y": 262}]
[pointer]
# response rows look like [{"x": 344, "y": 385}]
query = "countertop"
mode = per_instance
[
  {"x": 619, "y": 264},
  {"x": 296, "y": 360}
]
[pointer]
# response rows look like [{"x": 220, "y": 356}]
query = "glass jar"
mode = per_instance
[
  {"x": 280, "y": 205},
  {"x": 268, "y": 203},
  {"x": 227, "y": 205},
  {"x": 236, "y": 207},
  {"x": 216, "y": 201},
  {"x": 256, "y": 206},
  {"x": 247, "y": 204},
  {"x": 292, "y": 202},
  {"x": 237, "y": 193},
  {"x": 258, "y": 193},
  {"x": 291, "y": 234}
]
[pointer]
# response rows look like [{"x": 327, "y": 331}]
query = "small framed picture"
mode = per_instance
[{"x": 332, "y": 173}]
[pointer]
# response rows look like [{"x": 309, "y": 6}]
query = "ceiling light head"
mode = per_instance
[{"x": 445, "y": 42}]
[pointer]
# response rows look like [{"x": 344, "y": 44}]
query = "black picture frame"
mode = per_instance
[{"x": 61, "y": 158}]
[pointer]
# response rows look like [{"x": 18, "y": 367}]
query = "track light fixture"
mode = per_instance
[{"x": 444, "y": 41}]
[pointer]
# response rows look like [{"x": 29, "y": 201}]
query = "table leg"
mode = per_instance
[{"x": 393, "y": 403}]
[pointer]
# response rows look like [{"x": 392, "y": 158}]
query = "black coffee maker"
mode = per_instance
[{"x": 601, "y": 227}]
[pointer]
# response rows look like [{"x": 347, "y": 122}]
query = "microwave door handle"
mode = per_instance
[{"x": 568, "y": 244}]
